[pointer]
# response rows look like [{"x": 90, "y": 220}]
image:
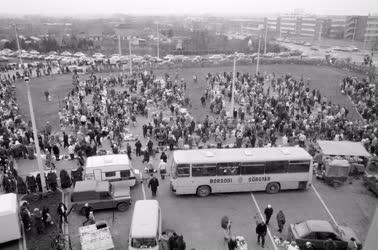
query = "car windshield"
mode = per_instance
[
  {"x": 302, "y": 229},
  {"x": 143, "y": 242}
]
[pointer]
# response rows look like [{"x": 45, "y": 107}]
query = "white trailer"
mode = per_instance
[{"x": 9, "y": 218}]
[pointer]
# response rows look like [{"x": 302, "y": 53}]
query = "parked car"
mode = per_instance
[
  {"x": 318, "y": 231},
  {"x": 100, "y": 195}
]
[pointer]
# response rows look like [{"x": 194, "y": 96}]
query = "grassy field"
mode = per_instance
[{"x": 323, "y": 78}]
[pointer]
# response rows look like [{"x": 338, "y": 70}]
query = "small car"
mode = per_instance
[
  {"x": 318, "y": 231},
  {"x": 100, "y": 195}
]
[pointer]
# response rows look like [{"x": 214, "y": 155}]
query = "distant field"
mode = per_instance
[{"x": 323, "y": 78}]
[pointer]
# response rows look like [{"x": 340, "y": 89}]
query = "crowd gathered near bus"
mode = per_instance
[{"x": 269, "y": 111}]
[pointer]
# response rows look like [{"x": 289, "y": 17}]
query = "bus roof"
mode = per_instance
[
  {"x": 145, "y": 221},
  {"x": 202, "y": 156},
  {"x": 107, "y": 161}
]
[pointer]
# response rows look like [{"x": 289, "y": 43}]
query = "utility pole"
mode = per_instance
[
  {"x": 18, "y": 45},
  {"x": 36, "y": 142},
  {"x": 130, "y": 59},
  {"x": 320, "y": 31},
  {"x": 266, "y": 34},
  {"x": 354, "y": 29},
  {"x": 258, "y": 54},
  {"x": 119, "y": 45},
  {"x": 32, "y": 118},
  {"x": 157, "y": 29},
  {"x": 233, "y": 87}
]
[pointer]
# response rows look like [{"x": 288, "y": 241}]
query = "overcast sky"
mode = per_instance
[{"x": 46, "y": 7}]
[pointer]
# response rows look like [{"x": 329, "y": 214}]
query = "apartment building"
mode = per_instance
[
  {"x": 371, "y": 31},
  {"x": 336, "y": 27},
  {"x": 308, "y": 26},
  {"x": 288, "y": 25},
  {"x": 355, "y": 27}
]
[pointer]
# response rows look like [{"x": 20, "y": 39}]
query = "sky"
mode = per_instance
[{"x": 179, "y": 7}]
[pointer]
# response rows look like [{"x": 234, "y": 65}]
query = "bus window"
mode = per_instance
[
  {"x": 203, "y": 170},
  {"x": 183, "y": 170},
  {"x": 299, "y": 166},
  {"x": 273, "y": 167},
  {"x": 228, "y": 169},
  {"x": 251, "y": 168}
]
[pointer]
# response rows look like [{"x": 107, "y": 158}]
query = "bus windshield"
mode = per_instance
[{"x": 143, "y": 242}]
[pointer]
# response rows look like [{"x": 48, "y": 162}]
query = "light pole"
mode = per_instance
[
  {"x": 157, "y": 29},
  {"x": 119, "y": 45},
  {"x": 36, "y": 143},
  {"x": 233, "y": 87},
  {"x": 18, "y": 45},
  {"x": 258, "y": 54},
  {"x": 266, "y": 34},
  {"x": 130, "y": 59}
]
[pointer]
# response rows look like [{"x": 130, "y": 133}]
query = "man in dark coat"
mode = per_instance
[
  {"x": 153, "y": 185},
  {"x": 138, "y": 146},
  {"x": 62, "y": 212},
  {"x": 268, "y": 213},
  {"x": 261, "y": 230},
  {"x": 56, "y": 152},
  {"x": 330, "y": 245}
]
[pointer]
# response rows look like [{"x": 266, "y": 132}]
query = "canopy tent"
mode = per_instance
[{"x": 343, "y": 148}]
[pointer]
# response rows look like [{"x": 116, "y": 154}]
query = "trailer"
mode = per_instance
[{"x": 9, "y": 217}]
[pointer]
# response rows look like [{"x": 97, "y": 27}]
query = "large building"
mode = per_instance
[
  {"x": 371, "y": 31},
  {"x": 309, "y": 26},
  {"x": 355, "y": 27},
  {"x": 288, "y": 25}
]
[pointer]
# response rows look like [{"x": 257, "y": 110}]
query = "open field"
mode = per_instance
[{"x": 324, "y": 78}]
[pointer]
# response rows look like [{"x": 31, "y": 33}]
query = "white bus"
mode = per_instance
[
  {"x": 207, "y": 171},
  {"x": 112, "y": 168}
]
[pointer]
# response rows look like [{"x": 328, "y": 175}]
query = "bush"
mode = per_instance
[{"x": 65, "y": 179}]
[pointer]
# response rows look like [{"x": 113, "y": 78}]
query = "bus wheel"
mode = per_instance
[
  {"x": 273, "y": 188},
  {"x": 203, "y": 191}
]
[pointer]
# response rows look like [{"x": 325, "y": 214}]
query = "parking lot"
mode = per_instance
[{"x": 198, "y": 219}]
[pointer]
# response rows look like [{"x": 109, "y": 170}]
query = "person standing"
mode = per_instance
[
  {"x": 153, "y": 185},
  {"x": 232, "y": 244},
  {"x": 280, "y": 221},
  {"x": 330, "y": 245},
  {"x": 56, "y": 152},
  {"x": 352, "y": 244},
  {"x": 128, "y": 150},
  {"x": 261, "y": 230},
  {"x": 62, "y": 212},
  {"x": 86, "y": 210},
  {"x": 309, "y": 246},
  {"x": 71, "y": 151},
  {"x": 38, "y": 220},
  {"x": 138, "y": 146},
  {"x": 268, "y": 214}
]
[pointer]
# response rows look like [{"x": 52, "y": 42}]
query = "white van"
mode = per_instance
[
  {"x": 145, "y": 228},
  {"x": 112, "y": 168}
]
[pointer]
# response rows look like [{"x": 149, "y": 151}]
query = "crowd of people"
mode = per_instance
[{"x": 269, "y": 110}]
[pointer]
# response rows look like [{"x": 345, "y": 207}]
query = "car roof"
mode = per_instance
[
  {"x": 91, "y": 185},
  {"x": 107, "y": 160},
  {"x": 320, "y": 226},
  {"x": 145, "y": 219}
]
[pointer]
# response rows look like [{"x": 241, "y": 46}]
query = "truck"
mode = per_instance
[
  {"x": 100, "y": 195},
  {"x": 9, "y": 218}
]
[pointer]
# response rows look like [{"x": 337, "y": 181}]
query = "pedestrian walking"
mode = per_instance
[
  {"x": 25, "y": 215},
  {"x": 62, "y": 212},
  {"x": 162, "y": 169},
  {"x": 128, "y": 150},
  {"x": 153, "y": 185},
  {"x": 86, "y": 210},
  {"x": 56, "y": 151},
  {"x": 261, "y": 230},
  {"x": 268, "y": 214},
  {"x": 280, "y": 221},
  {"x": 138, "y": 146}
]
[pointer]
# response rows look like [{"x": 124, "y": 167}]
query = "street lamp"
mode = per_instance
[
  {"x": 233, "y": 86},
  {"x": 36, "y": 143}
]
